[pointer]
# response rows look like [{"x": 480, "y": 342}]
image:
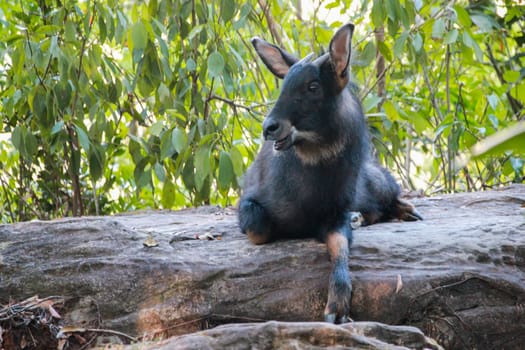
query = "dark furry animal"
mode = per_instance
[{"x": 315, "y": 165}]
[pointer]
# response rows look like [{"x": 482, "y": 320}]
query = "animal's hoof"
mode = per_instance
[
  {"x": 339, "y": 297},
  {"x": 407, "y": 212},
  {"x": 356, "y": 219},
  {"x": 413, "y": 216},
  {"x": 332, "y": 318}
]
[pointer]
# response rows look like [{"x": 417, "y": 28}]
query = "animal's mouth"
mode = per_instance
[{"x": 284, "y": 143}]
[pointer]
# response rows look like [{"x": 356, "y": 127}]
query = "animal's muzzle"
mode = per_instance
[
  {"x": 278, "y": 131},
  {"x": 271, "y": 129}
]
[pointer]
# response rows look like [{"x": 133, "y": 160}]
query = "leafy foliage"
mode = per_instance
[{"x": 111, "y": 106}]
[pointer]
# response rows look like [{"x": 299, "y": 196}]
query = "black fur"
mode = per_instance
[{"x": 315, "y": 165}]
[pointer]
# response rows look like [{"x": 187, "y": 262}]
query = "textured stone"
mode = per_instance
[
  {"x": 459, "y": 275},
  {"x": 301, "y": 335}
]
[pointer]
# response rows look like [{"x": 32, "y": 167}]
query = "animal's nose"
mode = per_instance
[{"x": 271, "y": 129}]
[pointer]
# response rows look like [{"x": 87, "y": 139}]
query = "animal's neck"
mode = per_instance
[{"x": 312, "y": 154}]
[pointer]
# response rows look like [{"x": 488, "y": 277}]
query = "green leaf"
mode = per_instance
[
  {"x": 139, "y": 36},
  {"x": 17, "y": 138},
  {"x": 166, "y": 146},
  {"x": 494, "y": 121},
  {"x": 226, "y": 174},
  {"x": 24, "y": 141},
  {"x": 463, "y": 16},
  {"x": 142, "y": 176},
  {"x": 195, "y": 31},
  {"x": 70, "y": 32},
  {"x": 493, "y": 101},
  {"x": 48, "y": 30},
  {"x": 57, "y": 127},
  {"x": 483, "y": 22},
  {"x": 227, "y": 10},
  {"x": 450, "y": 37},
  {"x": 83, "y": 138},
  {"x": 215, "y": 64},
  {"x": 96, "y": 162},
  {"x": 160, "y": 172},
  {"x": 511, "y": 138},
  {"x": 438, "y": 29},
  {"x": 63, "y": 93},
  {"x": 378, "y": 13},
  {"x": 469, "y": 42},
  {"x": 368, "y": 54},
  {"x": 31, "y": 144},
  {"x": 511, "y": 76},
  {"x": 178, "y": 140},
  {"x": 37, "y": 102},
  {"x": 419, "y": 121},
  {"x": 156, "y": 128},
  {"x": 417, "y": 42},
  {"x": 518, "y": 92},
  {"x": 188, "y": 174},
  {"x": 371, "y": 101},
  {"x": 391, "y": 110},
  {"x": 191, "y": 65},
  {"x": 168, "y": 194},
  {"x": 400, "y": 44},
  {"x": 407, "y": 14},
  {"x": 392, "y": 10},
  {"x": 385, "y": 51},
  {"x": 202, "y": 166},
  {"x": 237, "y": 161}
]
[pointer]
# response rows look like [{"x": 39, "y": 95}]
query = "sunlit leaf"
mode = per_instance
[
  {"x": 178, "y": 139},
  {"x": 237, "y": 161},
  {"x": 417, "y": 42},
  {"x": 400, "y": 43},
  {"x": 159, "y": 172},
  {"x": 215, "y": 64},
  {"x": 450, "y": 37},
  {"x": 509, "y": 139},
  {"x": 226, "y": 173},
  {"x": 390, "y": 110},
  {"x": 463, "y": 16},
  {"x": 511, "y": 76},
  {"x": 96, "y": 162},
  {"x": 438, "y": 29},
  {"x": 139, "y": 36},
  {"x": 378, "y": 13},
  {"x": 227, "y": 10},
  {"x": 202, "y": 165},
  {"x": 168, "y": 194},
  {"x": 83, "y": 138}
]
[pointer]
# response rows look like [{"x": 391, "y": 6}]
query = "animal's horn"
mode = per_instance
[
  {"x": 307, "y": 59},
  {"x": 321, "y": 59}
]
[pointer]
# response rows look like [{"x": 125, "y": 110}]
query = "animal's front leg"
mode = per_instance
[
  {"x": 254, "y": 221},
  {"x": 340, "y": 286}
]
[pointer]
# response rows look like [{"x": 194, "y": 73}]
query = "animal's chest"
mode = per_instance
[{"x": 310, "y": 197}]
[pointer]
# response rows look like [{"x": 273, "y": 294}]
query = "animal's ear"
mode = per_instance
[
  {"x": 276, "y": 59},
  {"x": 340, "y": 49}
]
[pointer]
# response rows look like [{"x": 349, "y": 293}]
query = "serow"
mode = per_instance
[{"x": 316, "y": 166}]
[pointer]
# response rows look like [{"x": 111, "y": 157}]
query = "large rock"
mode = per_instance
[
  {"x": 300, "y": 335},
  {"x": 459, "y": 275}
]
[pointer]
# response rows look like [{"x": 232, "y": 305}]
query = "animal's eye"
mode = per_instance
[{"x": 314, "y": 86}]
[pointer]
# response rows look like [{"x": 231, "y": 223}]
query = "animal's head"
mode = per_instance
[{"x": 309, "y": 96}]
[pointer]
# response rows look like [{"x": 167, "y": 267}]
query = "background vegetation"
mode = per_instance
[{"x": 109, "y": 106}]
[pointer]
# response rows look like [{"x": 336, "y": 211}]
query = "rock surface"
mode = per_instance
[
  {"x": 301, "y": 335},
  {"x": 459, "y": 275}
]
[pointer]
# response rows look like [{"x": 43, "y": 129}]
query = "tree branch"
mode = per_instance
[
  {"x": 274, "y": 30},
  {"x": 514, "y": 104}
]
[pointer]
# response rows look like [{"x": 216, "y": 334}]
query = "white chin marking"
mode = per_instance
[{"x": 311, "y": 150}]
